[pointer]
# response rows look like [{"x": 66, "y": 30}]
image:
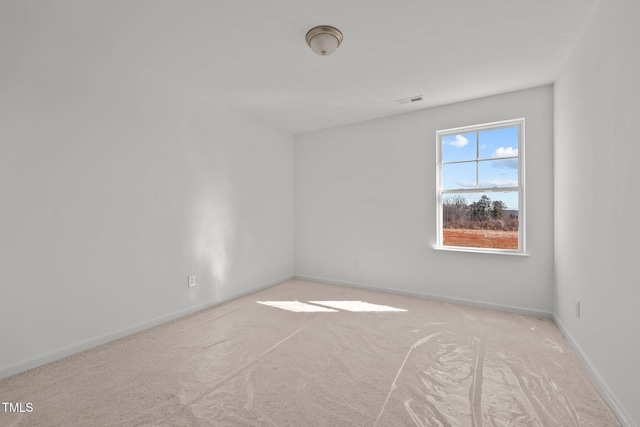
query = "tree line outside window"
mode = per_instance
[{"x": 485, "y": 214}]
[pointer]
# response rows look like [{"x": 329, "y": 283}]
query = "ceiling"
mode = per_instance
[{"x": 251, "y": 55}]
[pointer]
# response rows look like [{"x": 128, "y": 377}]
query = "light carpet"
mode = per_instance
[{"x": 245, "y": 363}]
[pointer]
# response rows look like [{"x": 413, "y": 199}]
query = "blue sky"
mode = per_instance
[{"x": 490, "y": 148}]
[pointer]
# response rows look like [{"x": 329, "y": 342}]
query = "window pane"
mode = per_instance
[
  {"x": 498, "y": 143},
  {"x": 459, "y": 147},
  {"x": 498, "y": 173},
  {"x": 481, "y": 220},
  {"x": 459, "y": 175}
]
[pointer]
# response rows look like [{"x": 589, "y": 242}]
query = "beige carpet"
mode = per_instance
[{"x": 248, "y": 363}]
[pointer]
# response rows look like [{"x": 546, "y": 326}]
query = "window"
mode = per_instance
[{"x": 480, "y": 188}]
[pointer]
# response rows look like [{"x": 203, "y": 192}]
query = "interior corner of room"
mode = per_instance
[{"x": 160, "y": 160}]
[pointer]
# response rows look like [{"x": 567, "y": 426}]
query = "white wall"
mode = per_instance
[
  {"x": 596, "y": 208},
  {"x": 367, "y": 191},
  {"x": 114, "y": 188}
]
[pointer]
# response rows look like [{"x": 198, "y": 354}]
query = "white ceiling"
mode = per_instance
[{"x": 252, "y": 55}]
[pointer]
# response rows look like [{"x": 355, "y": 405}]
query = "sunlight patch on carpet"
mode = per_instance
[
  {"x": 297, "y": 306},
  {"x": 356, "y": 306}
]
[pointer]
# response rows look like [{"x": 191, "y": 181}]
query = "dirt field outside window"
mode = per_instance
[{"x": 493, "y": 239}]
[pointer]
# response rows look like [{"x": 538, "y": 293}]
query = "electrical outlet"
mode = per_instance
[
  {"x": 578, "y": 308},
  {"x": 192, "y": 281}
]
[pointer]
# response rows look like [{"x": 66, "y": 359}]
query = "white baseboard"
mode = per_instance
[
  {"x": 462, "y": 301},
  {"x": 605, "y": 392},
  {"x": 60, "y": 353}
]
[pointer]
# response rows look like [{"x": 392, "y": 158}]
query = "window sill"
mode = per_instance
[{"x": 479, "y": 251}]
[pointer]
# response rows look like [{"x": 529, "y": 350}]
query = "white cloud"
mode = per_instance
[
  {"x": 459, "y": 142},
  {"x": 463, "y": 183},
  {"x": 489, "y": 183},
  {"x": 506, "y": 152},
  {"x": 499, "y": 183}
]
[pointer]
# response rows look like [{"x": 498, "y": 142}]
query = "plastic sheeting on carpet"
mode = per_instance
[{"x": 249, "y": 364}]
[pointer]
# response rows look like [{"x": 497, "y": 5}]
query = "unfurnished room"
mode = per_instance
[{"x": 291, "y": 213}]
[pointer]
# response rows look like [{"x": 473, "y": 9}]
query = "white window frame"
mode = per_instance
[{"x": 520, "y": 187}]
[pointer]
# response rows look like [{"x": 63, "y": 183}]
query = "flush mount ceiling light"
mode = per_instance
[{"x": 324, "y": 40}]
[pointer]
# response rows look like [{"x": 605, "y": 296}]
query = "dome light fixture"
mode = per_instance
[{"x": 324, "y": 40}]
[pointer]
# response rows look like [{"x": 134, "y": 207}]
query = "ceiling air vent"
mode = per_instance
[{"x": 410, "y": 99}]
